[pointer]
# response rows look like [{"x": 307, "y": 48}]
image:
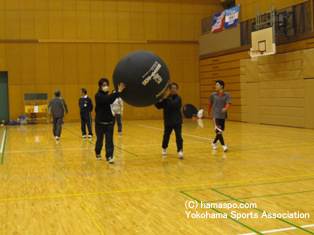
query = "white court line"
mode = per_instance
[
  {"x": 141, "y": 145},
  {"x": 73, "y": 149},
  {"x": 3, "y": 138},
  {"x": 194, "y": 136},
  {"x": 45, "y": 150},
  {"x": 281, "y": 229}
]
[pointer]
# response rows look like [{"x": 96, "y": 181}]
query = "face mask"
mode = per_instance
[{"x": 105, "y": 88}]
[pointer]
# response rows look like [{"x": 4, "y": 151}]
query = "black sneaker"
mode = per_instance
[
  {"x": 110, "y": 160},
  {"x": 98, "y": 157}
]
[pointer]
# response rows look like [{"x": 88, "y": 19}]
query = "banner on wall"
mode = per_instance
[
  {"x": 232, "y": 16},
  {"x": 219, "y": 21}
]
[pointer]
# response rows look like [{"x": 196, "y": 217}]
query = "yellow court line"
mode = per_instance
[
  {"x": 82, "y": 203},
  {"x": 154, "y": 189}
]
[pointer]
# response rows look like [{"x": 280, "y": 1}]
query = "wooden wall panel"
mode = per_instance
[
  {"x": 55, "y": 24},
  {"x": 13, "y": 63},
  {"x": 309, "y": 98},
  {"x": 41, "y": 23},
  {"x": 27, "y": 24},
  {"x": 28, "y": 64},
  {"x": 2, "y": 58},
  {"x": 42, "y": 66},
  {"x": 282, "y": 80},
  {"x": 12, "y": 24},
  {"x": 81, "y": 41},
  {"x": 70, "y": 70},
  {"x": 70, "y": 24}
]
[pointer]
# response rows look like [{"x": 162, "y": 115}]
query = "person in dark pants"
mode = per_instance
[
  {"x": 57, "y": 107},
  {"x": 172, "y": 119},
  {"x": 86, "y": 107},
  {"x": 219, "y": 103},
  {"x": 117, "y": 112},
  {"x": 104, "y": 118}
]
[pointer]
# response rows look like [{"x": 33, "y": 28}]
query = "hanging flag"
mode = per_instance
[
  {"x": 219, "y": 21},
  {"x": 232, "y": 16}
]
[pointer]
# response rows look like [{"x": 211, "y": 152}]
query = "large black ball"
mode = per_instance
[
  {"x": 189, "y": 110},
  {"x": 145, "y": 76}
]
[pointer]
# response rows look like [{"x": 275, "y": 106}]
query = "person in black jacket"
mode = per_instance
[
  {"x": 172, "y": 118},
  {"x": 86, "y": 107},
  {"x": 104, "y": 118}
]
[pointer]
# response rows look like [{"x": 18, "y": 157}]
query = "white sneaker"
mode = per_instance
[
  {"x": 181, "y": 154},
  {"x": 164, "y": 151},
  {"x": 110, "y": 160},
  {"x": 214, "y": 146},
  {"x": 225, "y": 148},
  {"x": 84, "y": 136},
  {"x": 98, "y": 157},
  {"x": 57, "y": 138},
  {"x": 90, "y": 136}
]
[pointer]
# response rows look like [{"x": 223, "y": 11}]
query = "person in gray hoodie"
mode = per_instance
[
  {"x": 57, "y": 108},
  {"x": 117, "y": 112}
]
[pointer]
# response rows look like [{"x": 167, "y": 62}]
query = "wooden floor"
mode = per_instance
[{"x": 60, "y": 188}]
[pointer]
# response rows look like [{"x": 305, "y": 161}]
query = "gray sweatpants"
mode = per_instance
[{"x": 57, "y": 126}]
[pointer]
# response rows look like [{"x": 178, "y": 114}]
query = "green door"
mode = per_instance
[{"x": 4, "y": 97}]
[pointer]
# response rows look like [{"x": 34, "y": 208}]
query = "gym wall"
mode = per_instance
[
  {"x": 71, "y": 44},
  {"x": 276, "y": 90}
]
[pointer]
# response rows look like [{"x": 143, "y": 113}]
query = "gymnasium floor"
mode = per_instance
[{"x": 60, "y": 188}]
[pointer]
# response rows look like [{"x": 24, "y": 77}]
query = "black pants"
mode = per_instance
[
  {"x": 219, "y": 124},
  {"x": 57, "y": 126},
  {"x": 107, "y": 130},
  {"x": 118, "y": 117},
  {"x": 167, "y": 133},
  {"x": 86, "y": 119}
]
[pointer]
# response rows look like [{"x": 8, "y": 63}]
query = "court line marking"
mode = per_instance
[
  {"x": 208, "y": 139},
  {"x": 214, "y": 209},
  {"x": 81, "y": 202},
  {"x": 160, "y": 129},
  {"x": 233, "y": 147},
  {"x": 245, "y": 185},
  {"x": 149, "y": 189},
  {"x": 263, "y": 196},
  {"x": 235, "y": 199},
  {"x": 74, "y": 149},
  {"x": 280, "y": 230},
  {"x": 47, "y": 150},
  {"x": 2, "y": 148},
  {"x": 262, "y": 211}
]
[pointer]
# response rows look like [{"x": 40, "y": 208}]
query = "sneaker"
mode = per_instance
[
  {"x": 225, "y": 148},
  {"x": 84, "y": 136},
  {"x": 164, "y": 151},
  {"x": 181, "y": 154},
  {"x": 57, "y": 138},
  {"x": 214, "y": 146},
  {"x": 120, "y": 133},
  {"x": 98, "y": 157},
  {"x": 90, "y": 136},
  {"x": 110, "y": 160}
]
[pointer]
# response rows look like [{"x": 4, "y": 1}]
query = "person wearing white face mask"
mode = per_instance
[{"x": 104, "y": 118}]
